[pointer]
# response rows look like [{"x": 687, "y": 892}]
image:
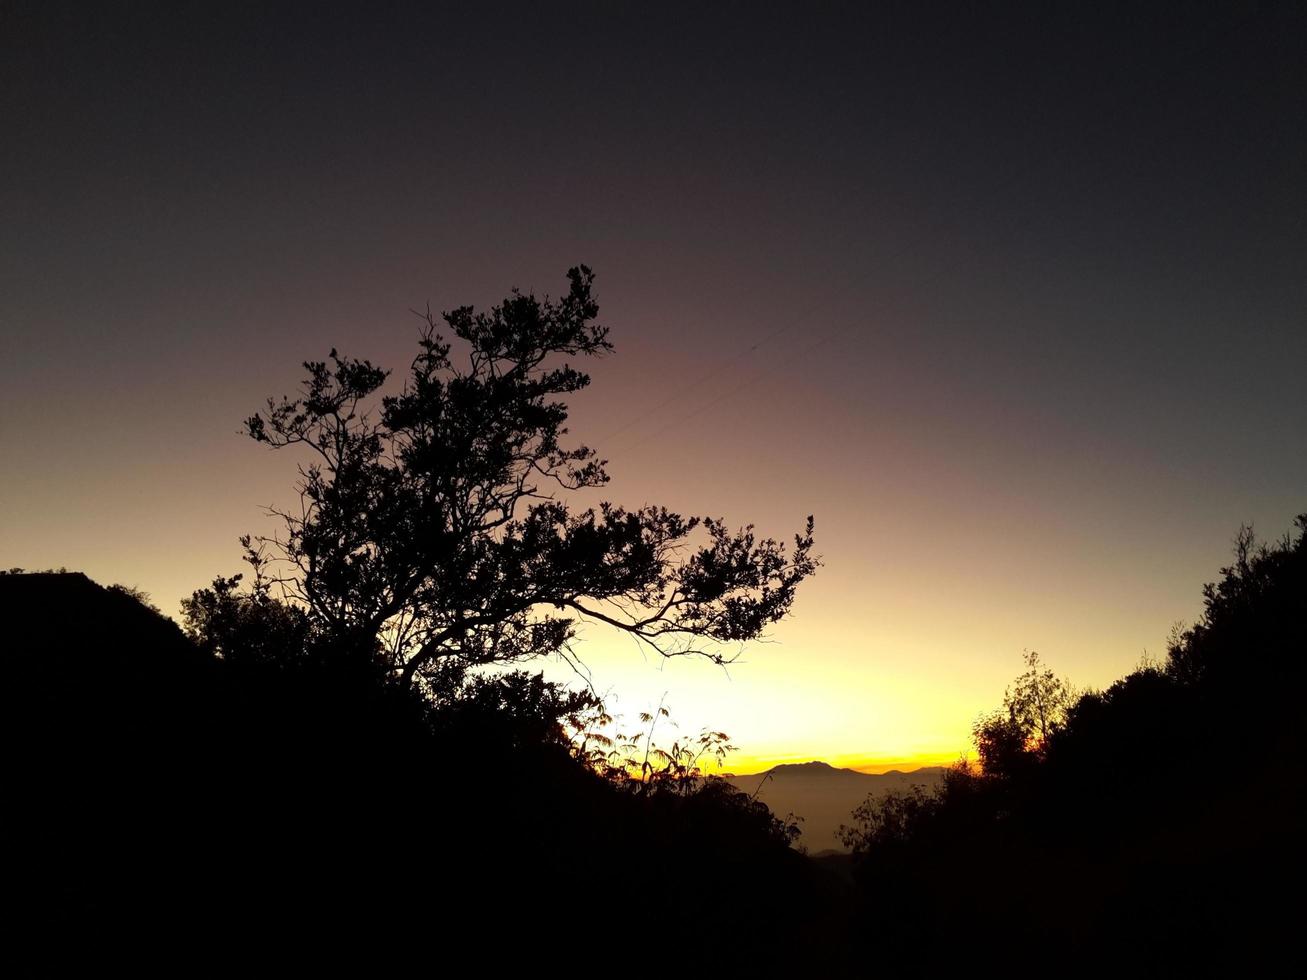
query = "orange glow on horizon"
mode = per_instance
[{"x": 743, "y": 764}]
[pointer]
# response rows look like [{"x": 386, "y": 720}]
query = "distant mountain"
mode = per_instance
[{"x": 825, "y": 796}]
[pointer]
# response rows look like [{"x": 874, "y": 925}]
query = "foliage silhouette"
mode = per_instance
[
  {"x": 429, "y": 532},
  {"x": 675, "y": 775},
  {"x": 252, "y": 787},
  {"x": 1018, "y": 734},
  {"x": 333, "y": 741},
  {"x": 251, "y": 627},
  {"x": 1140, "y": 827},
  {"x": 236, "y": 795}
]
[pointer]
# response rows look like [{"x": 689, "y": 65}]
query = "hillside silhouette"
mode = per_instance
[
  {"x": 1141, "y": 828},
  {"x": 349, "y": 740},
  {"x": 164, "y": 798}
]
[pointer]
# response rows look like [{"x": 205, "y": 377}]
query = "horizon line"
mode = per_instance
[{"x": 867, "y": 765}]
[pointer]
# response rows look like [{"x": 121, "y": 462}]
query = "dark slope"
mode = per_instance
[
  {"x": 1162, "y": 825},
  {"x": 171, "y": 810}
]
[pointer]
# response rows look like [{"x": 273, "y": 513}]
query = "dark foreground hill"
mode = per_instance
[
  {"x": 1154, "y": 826},
  {"x": 824, "y": 796},
  {"x": 175, "y": 812}
]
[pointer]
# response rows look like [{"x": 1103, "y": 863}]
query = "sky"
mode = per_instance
[{"x": 1011, "y": 297}]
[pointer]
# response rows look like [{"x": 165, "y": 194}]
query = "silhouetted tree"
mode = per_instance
[
  {"x": 1131, "y": 828},
  {"x": 247, "y": 627},
  {"x": 429, "y": 536},
  {"x": 882, "y": 821},
  {"x": 1034, "y": 709},
  {"x": 1256, "y": 609}
]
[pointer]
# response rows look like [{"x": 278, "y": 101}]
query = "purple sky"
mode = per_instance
[{"x": 1012, "y": 300}]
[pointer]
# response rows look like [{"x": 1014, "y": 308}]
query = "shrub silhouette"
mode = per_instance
[
  {"x": 231, "y": 802},
  {"x": 1141, "y": 826}
]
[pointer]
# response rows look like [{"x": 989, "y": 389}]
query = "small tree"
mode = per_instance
[
  {"x": 247, "y": 627},
  {"x": 634, "y": 760},
  {"x": 430, "y": 534},
  {"x": 893, "y": 818},
  {"x": 1034, "y": 707}
]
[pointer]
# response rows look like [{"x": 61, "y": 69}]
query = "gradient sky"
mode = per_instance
[{"x": 1011, "y": 298}]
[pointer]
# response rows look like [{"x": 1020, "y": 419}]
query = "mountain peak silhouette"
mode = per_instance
[{"x": 810, "y": 768}]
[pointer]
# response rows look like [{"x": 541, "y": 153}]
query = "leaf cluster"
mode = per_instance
[{"x": 431, "y": 526}]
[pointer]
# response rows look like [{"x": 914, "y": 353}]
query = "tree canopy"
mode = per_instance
[
  {"x": 1034, "y": 710},
  {"x": 432, "y": 534},
  {"x": 1157, "y": 818}
]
